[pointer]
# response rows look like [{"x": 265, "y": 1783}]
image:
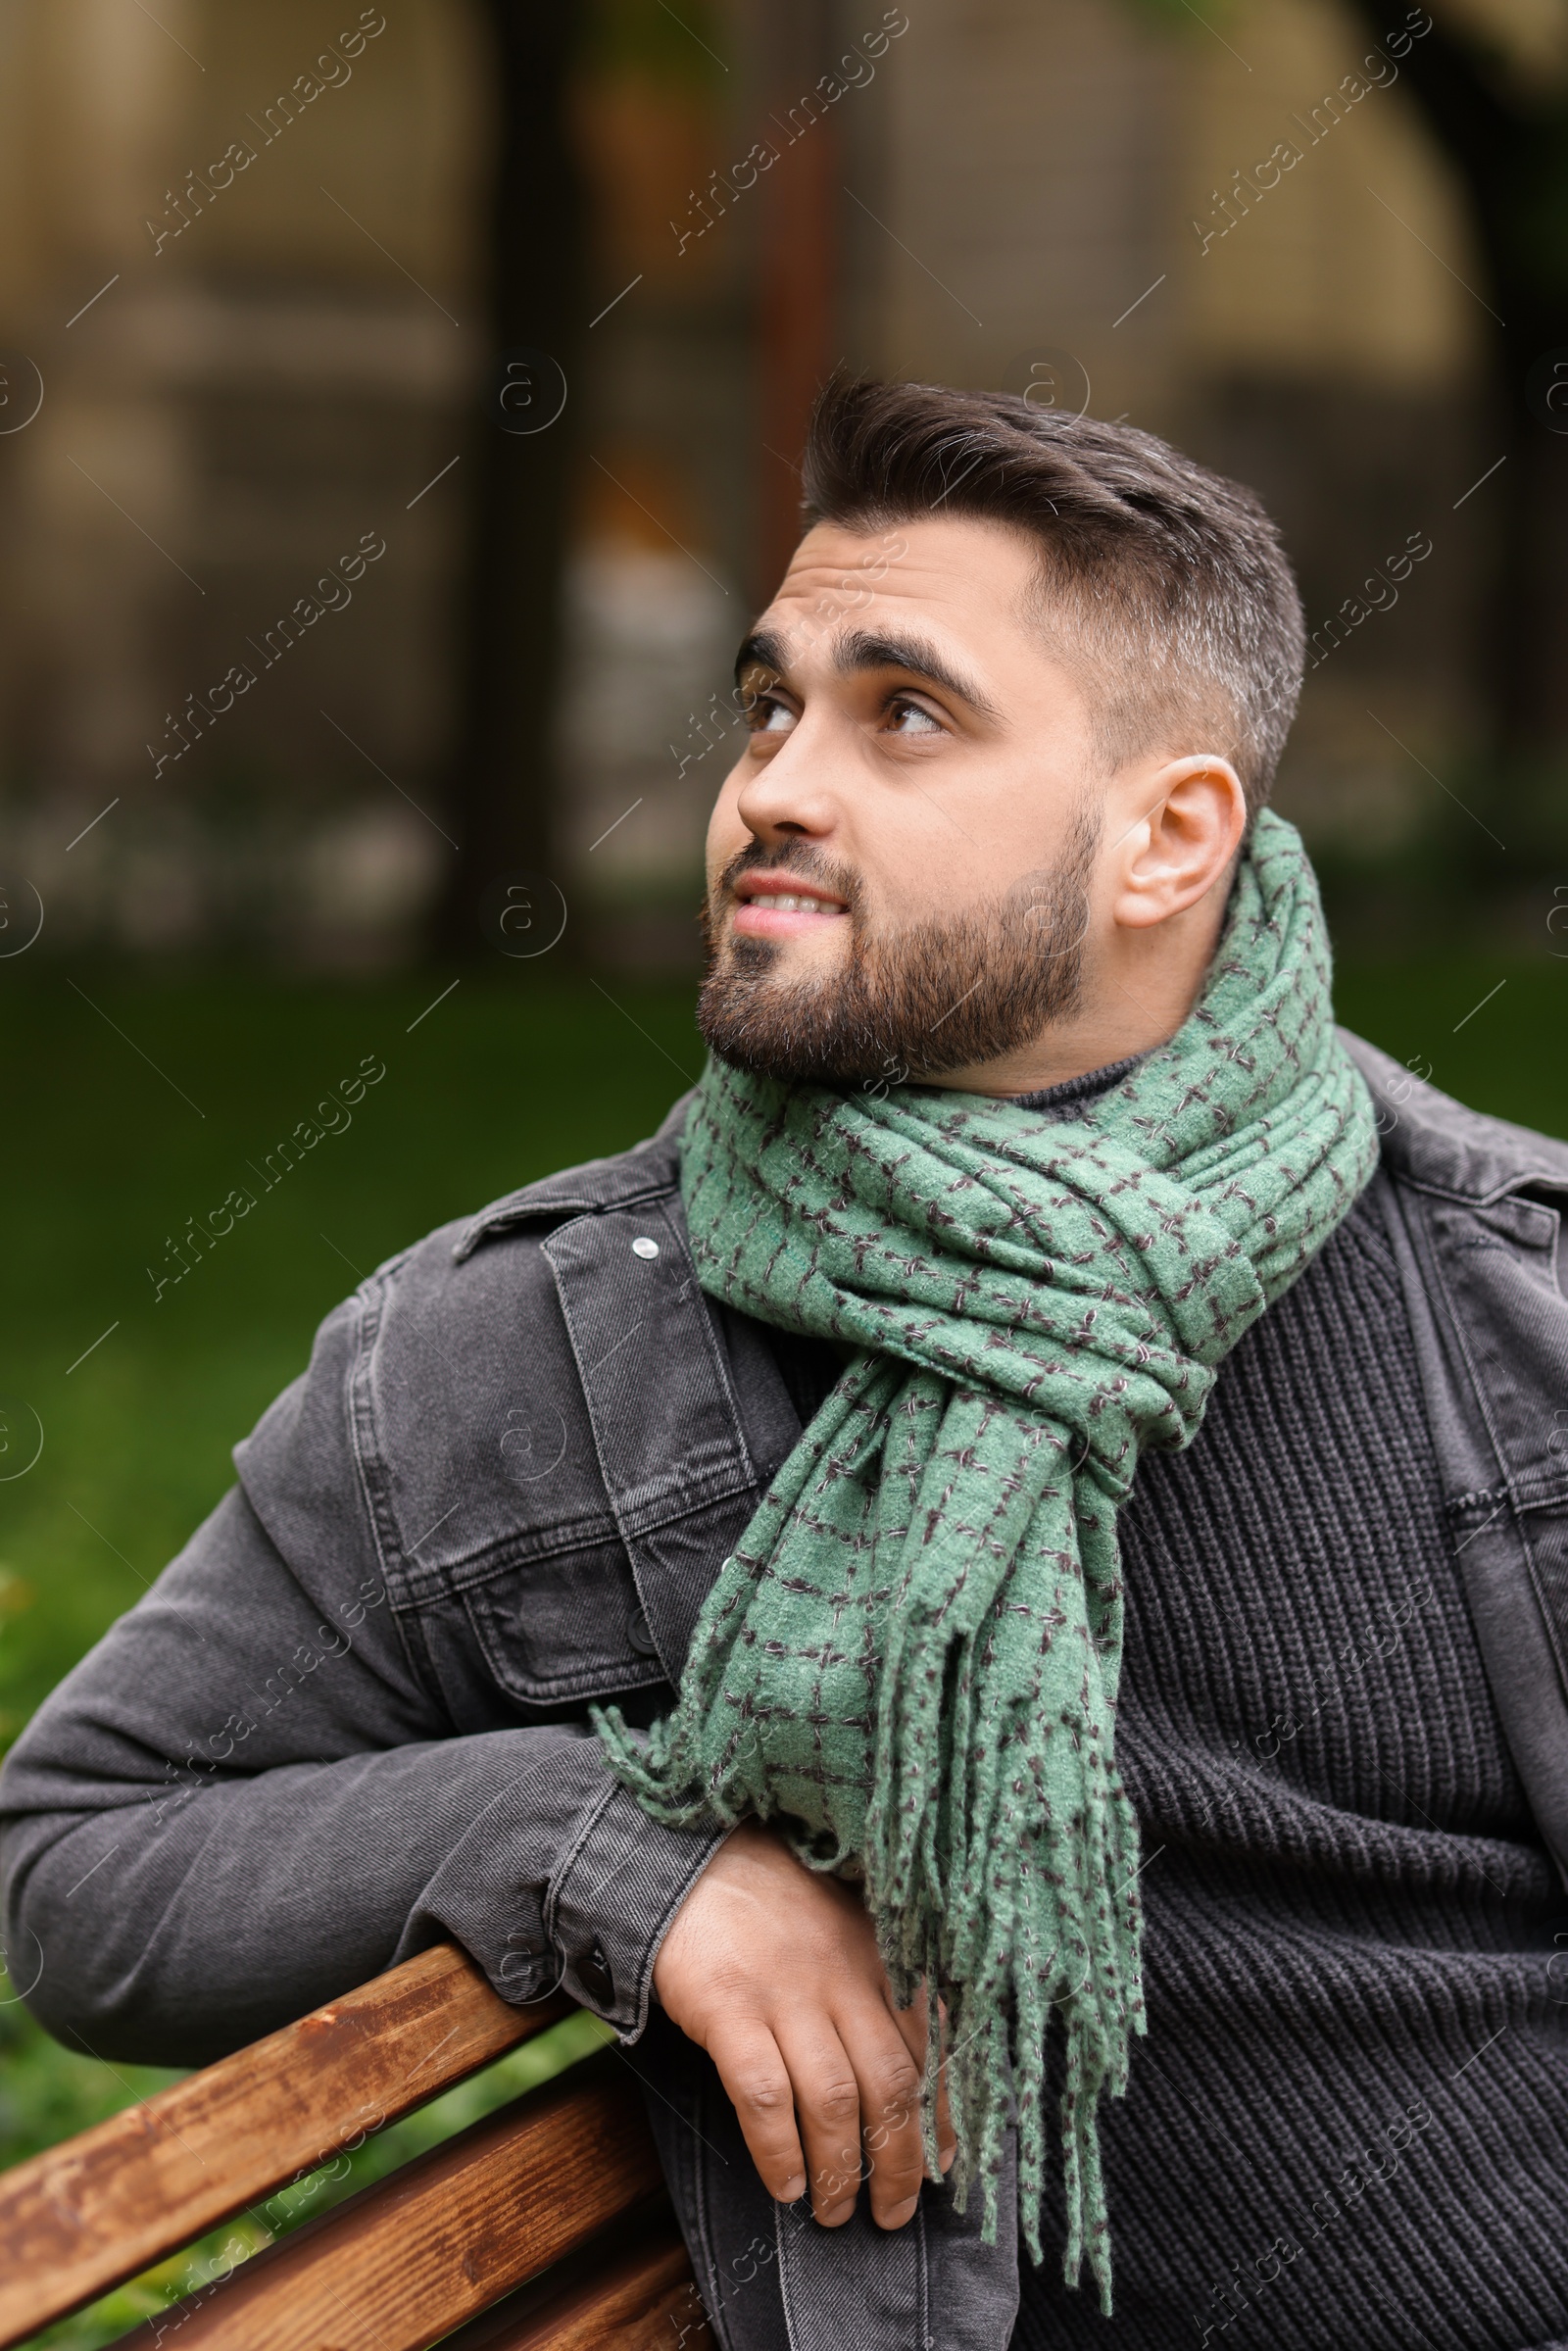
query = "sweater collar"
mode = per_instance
[{"x": 1079, "y": 1089}]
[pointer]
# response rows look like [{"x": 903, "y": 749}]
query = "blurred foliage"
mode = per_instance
[
  {"x": 1483, "y": 867},
  {"x": 174, "y": 1088}
]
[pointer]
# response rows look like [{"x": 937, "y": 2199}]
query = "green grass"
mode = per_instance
[
  {"x": 107, "y": 1159},
  {"x": 117, "y": 1133}
]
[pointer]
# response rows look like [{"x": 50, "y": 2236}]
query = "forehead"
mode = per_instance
[{"x": 960, "y": 577}]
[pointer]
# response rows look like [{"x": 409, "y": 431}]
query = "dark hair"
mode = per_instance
[{"x": 1162, "y": 585}]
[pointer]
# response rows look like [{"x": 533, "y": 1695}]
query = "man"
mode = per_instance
[{"x": 1125, "y": 1537}]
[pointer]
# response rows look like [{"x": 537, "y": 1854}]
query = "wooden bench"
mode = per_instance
[{"x": 544, "y": 2226}]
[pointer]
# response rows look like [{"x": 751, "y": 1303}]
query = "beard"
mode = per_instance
[{"x": 909, "y": 1003}]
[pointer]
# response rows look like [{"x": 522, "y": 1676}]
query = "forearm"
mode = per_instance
[
  {"x": 245, "y": 1801},
  {"x": 168, "y": 1930}
]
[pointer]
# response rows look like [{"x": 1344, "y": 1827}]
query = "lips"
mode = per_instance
[
  {"x": 794, "y": 902},
  {"x": 772, "y": 907}
]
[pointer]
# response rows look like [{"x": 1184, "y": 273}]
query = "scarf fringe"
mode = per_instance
[{"x": 1047, "y": 1924}]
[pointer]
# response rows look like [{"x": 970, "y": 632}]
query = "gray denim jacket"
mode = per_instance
[{"x": 350, "y": 1718}]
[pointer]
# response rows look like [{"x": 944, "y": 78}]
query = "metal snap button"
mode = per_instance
[
  {"x": 637, "y": 1632},
  {"x": 642, "y": 1246}
]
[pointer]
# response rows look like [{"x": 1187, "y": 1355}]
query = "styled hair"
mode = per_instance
[{"x": 1162, "y": 587}]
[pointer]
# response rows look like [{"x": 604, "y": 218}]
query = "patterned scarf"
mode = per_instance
[{"x": 910, "y": 1663}]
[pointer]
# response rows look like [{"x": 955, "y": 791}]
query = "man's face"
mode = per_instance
[{"x": 900, "y": 864}]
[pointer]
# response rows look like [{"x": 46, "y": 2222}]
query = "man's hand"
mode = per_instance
[{"x": 773, "y": 1969}]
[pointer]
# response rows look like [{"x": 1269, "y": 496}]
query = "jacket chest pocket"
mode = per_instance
[{"x": 565, "y": 1627}]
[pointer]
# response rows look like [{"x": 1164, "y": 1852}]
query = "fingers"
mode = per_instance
[
  {"x": 947, "y": 2135},
  {"x": 751, "y": 2068},
  {"x": 821, "y": 2107},
  {"x": 827, "y": 2101},
  {"x": 888, "y": 2077},
  {"x": 775, "y": 1969},
  {"x": 858, "y": 2084},
  {"x": 912, "y": 2024}
]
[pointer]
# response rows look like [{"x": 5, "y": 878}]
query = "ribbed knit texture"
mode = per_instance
[
  {"x": 1355, "y": 1926},
  {"x": 1334, "y": 1932}
]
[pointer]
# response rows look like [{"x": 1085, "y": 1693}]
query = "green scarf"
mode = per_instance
[{"x": 911, "y": 1660}]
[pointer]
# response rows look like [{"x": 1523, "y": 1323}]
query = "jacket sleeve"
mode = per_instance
[{"x": 244, "y": 1801}]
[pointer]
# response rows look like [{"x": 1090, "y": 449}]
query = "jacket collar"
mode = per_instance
[
  {"x": 1437, "y": 1143},
  {"x": 646, "y": 1172}
]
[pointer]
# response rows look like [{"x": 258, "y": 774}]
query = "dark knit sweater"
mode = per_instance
[{"x": 1348, "y": 2122}]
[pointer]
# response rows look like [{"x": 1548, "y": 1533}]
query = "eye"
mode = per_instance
[
  {"x": 907, "y": 718},
  {"x": 767, "y": 713}
]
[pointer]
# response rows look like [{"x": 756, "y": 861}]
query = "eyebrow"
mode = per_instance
[
  {"x": 761, "y": 650},
  {"x": 859, "y": 651}
]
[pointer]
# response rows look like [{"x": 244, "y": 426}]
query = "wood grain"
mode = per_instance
[
  {"x": 404, "y": 2262},
  {"x": 652, "y": 2311},
  {"x": 95, "y": 2211},
  {"x": 629, "y": 2288}
]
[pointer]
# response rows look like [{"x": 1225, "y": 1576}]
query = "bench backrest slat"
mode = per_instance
[
  {"x": 640, "y": 2299},
  {"x": 404, "y": 2260},
  {"x": 87, "y": 2215}
]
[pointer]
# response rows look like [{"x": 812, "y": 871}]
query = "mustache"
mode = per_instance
[{"x": 796, "y": 858}]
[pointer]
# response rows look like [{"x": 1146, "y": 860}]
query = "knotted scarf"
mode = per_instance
[{"x": 910, "y": 1663}]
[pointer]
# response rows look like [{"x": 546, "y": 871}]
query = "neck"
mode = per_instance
[{"x": 1138, "y": 989}]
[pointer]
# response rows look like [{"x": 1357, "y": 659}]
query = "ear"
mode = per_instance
[{"x": 1182, "y": 826}]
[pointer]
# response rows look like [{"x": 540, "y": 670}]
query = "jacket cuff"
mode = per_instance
[{"x": 611, "y": 1902}]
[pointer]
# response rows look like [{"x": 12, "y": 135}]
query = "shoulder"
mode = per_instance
[
  {"x": 1438, "y": 1144},
  {"x": 476, "y": 1267},
  {"x": 450, "y": 1373},
  {"x": 465, "y": 1286},
  {"x": 649, "y": 1171}
]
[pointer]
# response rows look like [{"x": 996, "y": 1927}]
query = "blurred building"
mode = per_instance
[{"x": 244, "y": 271}]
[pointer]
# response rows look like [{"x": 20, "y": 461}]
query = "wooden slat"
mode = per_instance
[
  {"x": 631, "y": 2319},
  {"x": 629, "y": 2289},
  {"x": 404, "y": 2262},
  {"x": 87, "y": 2215}
]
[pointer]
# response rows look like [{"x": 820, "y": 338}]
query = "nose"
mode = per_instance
[{"x": 791, "y": 794}]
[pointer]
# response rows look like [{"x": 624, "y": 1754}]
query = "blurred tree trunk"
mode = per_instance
[
  {"x": 797, "y": 273},
  {"x": 501, "y": 795},
  {"x": 1507, "y": 139}
]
